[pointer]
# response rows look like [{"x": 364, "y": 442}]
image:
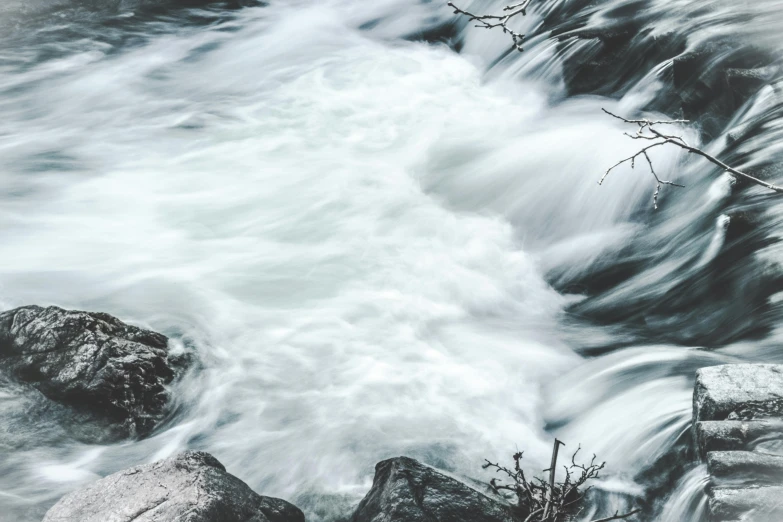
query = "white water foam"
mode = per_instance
[{"x": 349, "y": 230}]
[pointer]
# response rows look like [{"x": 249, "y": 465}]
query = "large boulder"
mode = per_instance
[
  {"x": 738, "y": 392},
  {"x": 191, "y": 487},
  {"x": 109, "y": 371},
  {"x": 405, "y": 490}
]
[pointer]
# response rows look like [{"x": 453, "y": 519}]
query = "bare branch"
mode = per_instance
[
  {"x": 646, "y": 123},
  {"x": 647, "y": 131},
  {"x": 499, "y": 21},
  {"x": 532, "y": 514},
  {"x": 617, "y": 516}
]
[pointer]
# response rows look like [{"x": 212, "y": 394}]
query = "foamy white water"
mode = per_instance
[{"x": 351, "y": 231}]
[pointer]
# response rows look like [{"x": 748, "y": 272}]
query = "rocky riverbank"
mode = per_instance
[
  {"x": 194, "y": 487},
  {"x": 114, "y": 378},
  {"x": 738, "y": 432}
]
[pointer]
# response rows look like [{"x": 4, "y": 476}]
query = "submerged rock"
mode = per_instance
[
  {"x": 717, "y": 77},
  {"x": 609, "y": 60},
  {"x": 101, "y": 367},
  {"x": 404, "y": 490},
  {"x": 191, "y": 487}
]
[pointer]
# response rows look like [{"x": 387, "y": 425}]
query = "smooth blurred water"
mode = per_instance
[{"x": 370, "y": 242}]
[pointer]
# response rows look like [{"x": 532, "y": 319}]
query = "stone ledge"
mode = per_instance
[
  {"x": 763, "y": 504},
  {"x": 738, "y": 392},
  {"x": 735, "y": 435},
  {"x": 745, "y": 467}
]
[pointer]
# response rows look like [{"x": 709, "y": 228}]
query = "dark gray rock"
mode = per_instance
[
  {"x": 746, "y": 82},
  {"x": 404, "y": 490},
  {"x": 735, "y": 435},
  {"x": 716, "y": 78},
  {"x": 608, "y": 60},
  {"x": 745, "y": 467},
  {"x": 191, "y": 487},
  {"x": 92, "y": 362},
  {"x": 756, "y": 504},
  {"x": 738, "y": 392}
]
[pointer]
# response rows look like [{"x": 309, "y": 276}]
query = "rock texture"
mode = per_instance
[
  {"x": 738, "y": 392},
  {"x": 736, "y": 435},
  {"x": 737, "y": 413},
  {"x": 404, "y": 490},
  {"x": 92, "y": 362},
  {"x": 745, "y": 467},
  {"x": 751, "y": 504},
  {"x": 191, "y": 487}
]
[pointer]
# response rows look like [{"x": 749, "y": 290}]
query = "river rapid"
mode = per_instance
[{"x": 380, "y": 233}]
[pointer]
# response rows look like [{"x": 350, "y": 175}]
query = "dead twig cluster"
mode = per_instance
[
  {"x": 649, "y": 131},
  {"x": 499, "y": 21},
  {"x": 540, "y": 500}
]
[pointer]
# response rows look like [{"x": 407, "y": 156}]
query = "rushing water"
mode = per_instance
[{"x": 375, "y": 245}]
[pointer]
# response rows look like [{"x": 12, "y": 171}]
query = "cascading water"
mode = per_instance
[
  {"x": 690, "y": 502},
  {"x": 374, "y": 245}
]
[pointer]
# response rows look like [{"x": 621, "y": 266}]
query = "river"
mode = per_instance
[{"x": 374, "y": 244}]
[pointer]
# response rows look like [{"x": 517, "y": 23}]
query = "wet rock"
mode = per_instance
[
  {"x": 404, "y": 490},
  {"x": 447, "y": 33},
  {"x": 715, "y": 79},
  {"x": 104, "y": 369},
  {"x": 772, "y": 172},
  {"x": 738, "y": 407},
  {"x": 741, "y": 133},
  {"x": 694, "y": 66},
  {"x": 191, "y": 487},
  {"x": 609, "y": 57},
  {"x": 745, "y": 467},
  {"x": 609, "y": 60},
  {"x": 739, "y": 225},
  {"x": 736, "y": 435},
  {"x": 757, "y": 504},
  {"x": 738, "y": 392},
  {"x": 743, "y": 83}
]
